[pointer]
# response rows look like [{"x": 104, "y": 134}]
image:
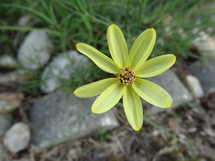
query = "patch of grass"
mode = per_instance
[
  {"x": 86, "y": 21},
  {"x": 71, "y": 21},
  {"x": 104, "y": 135},
  {"x": 31, "y": 88}
]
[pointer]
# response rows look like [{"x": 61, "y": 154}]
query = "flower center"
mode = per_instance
[{"x": 126, "y": 76}]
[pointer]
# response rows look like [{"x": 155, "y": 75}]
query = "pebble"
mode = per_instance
[
  {"x": 10, "y": 101},
  {"x": 6, "y": 61},
  {"x": 194, "y": 86},
  {"x": 17, "y": 137},
  {"x": 24, "y": 20},
  {"x": 205, "y": 43},
  {"x": 35, "y": 50},
  {"x": 19, "y": 77}
]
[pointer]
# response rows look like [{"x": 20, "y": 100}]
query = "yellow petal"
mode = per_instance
[
  {"x": 155, "y": 66},
  {"x": 133, "y": 108},
  {"x": 95, "y": 88},
  {"x": 117, "y": 46},
  {"x": 101, "y": 60},
  {"x": 152, "y": 93},
  {"x": 142, "y": 48},
  {"x": 108, "y": 98}
]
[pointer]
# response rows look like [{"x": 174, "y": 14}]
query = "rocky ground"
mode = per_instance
[{"x": 53, "y": 126}]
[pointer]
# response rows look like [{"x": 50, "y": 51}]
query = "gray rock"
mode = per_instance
[
  {"x": 61, "y": 68},
  {"x": 10, "y": 101},
  {"x": 5, "y": 123},
  {"x": 17, "y": 137},
  {"x": 206, "y": 75},
  {"x": 35, "y": 50},
  {"x": 170, "y": 82},
  {"x": 194, "y": 86},
  {"x": 6, "y": 61},
  {"x": 205, "y": 44},
  {"x": 24, "y": 20},
  {"x": 57, "y": 118},
  {"x": 3, "y": 154}
]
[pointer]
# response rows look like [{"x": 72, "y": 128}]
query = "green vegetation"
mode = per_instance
[{"x": 71, "y": 21}]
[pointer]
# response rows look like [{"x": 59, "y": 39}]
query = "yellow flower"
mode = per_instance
[{"x": 128, "y": 70}]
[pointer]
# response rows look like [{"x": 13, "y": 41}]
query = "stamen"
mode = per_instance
[{"x": 126, "y": 76}]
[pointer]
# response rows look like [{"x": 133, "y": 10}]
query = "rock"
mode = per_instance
[
  {"x": 17, "y": 137},
  {"x": 61, "y": 68},
  {"x": 24, "y": 21},
  {"x": 3, "y": 154},
  {"x": 5, "y": 123},
  {"x": 205, "y": 73},
  {"x": 7, "y": 61},
  {"x": 57, "y": 118},
  {"x": 19, "y": 77},
  {"x": 170, "y": 82},
  {"x": 10, "y": 101},
  {"x": 205, "y": 44},
  {"x": 194, "y": 86},
  {"x": 35, "y": 50}
]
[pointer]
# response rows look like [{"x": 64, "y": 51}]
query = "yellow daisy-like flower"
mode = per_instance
[{"x": 129, "y": 69}]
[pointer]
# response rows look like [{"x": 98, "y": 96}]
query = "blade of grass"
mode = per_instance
[
  {"x": 43, "y": 16},
  {"x": 29, "y": 29}
]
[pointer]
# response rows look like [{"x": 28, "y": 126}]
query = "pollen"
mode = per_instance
[{"x": 126, "y": 76}]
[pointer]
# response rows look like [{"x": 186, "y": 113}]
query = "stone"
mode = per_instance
[
  {"x": 24, "y": 21},
  {"x": 17, "y": 137},
  {"x": 205, "y": 73},
  {"x": 170, "y": 82},
  {"x": 205, "y": 44},
  {"x": 6, "y": 61},
  {"x": 3, "y": 154},
  {"x": 5, "y": 123},
  {"x": 194, "y": 86},
  {"x": 20, "y": 77},
  {"x": 58, "y": 118},
  {"x": 61, "y": 68},
  {"x": 9, "y": 101},
  {"x": 35, "y": 50}
]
